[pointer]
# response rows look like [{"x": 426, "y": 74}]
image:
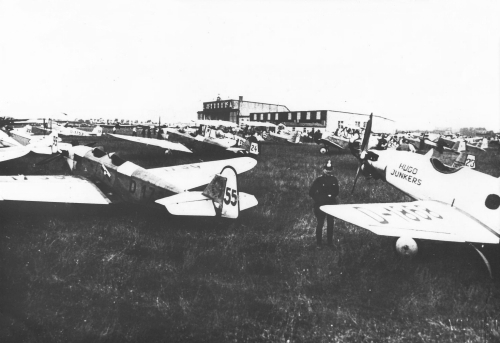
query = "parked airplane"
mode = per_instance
[
  {"x": 17, "y": 143},
  {"x": 478, "y": 146},
  {"x": 63, "y": 130},
  {"x": 209, "y": 139},
  {"x": 284, "y": 134},
  {"x": 104, "y": 178},
  {"x": 161, "y": 143},
  {"x": 452, "y": 204}
]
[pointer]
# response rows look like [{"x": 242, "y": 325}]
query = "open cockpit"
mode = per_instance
[{"x": 443, "y": 168}]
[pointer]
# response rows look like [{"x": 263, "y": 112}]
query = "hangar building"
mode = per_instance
[
  {"x": 323, "y": 120},
  {"x": 236, "y": 111}
]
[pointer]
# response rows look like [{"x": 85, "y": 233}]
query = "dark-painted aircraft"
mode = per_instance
[{"x": 104, "y": 178}]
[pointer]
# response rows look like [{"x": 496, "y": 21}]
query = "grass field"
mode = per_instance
[{"x": 126, "y": 274}]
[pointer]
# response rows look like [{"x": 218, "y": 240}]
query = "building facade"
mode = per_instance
[
  {"x": 236, "y": 111},
  {"x": 323, "y": 120}
]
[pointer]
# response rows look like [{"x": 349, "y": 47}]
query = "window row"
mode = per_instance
[
  {"x": 283, "y": 116},
  {"x": 219, "y": 104}
]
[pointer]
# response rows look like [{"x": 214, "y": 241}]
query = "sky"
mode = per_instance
[{"x": 424, "y": 64}]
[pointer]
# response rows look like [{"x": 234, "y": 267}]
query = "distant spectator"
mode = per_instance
[
  {"x": 134, "y": 131},
  {"x": 158, "y": 135},
  {"x": 382, "y": 143},
  {"x": 149, "y": 132},
  {"x": 317, "y": 136},
  {"x": 114, "y": 129}
]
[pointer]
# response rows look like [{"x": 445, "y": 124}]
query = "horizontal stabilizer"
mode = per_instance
[
  {"x": 189, "y": 204},
  {"x": 247, "y": 201}
]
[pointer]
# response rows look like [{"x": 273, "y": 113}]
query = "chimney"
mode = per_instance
[{"x": 241, "y": 98}]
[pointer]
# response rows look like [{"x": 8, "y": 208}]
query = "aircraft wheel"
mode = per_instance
[{"x": 323, "y": 151}]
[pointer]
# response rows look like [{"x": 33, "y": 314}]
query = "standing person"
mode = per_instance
[
  {"x": 134, "y": 131},
  {"x": 114, "y": 129},
  {"x": 324, "y": 191}
]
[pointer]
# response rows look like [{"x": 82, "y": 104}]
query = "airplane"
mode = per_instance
[
  {"x": 342, "y": 139},
  {"x": 284, "y": 134},
  {"x": 17, "y": 143},
  {"x": 211, "y": 140},
  {"x": 70, "y": 131},
  {"x": 161, "y": 143},
  {"x": 257, "y": 127},
  {"x": 349, "y": 136},
  {"x": 103, "y": 178},
  {"x": 477, "y": 146},
  {"x": 451, "y": 204}
]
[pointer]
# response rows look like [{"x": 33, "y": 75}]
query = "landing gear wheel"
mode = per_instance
[{"x": 323, "y": 151}]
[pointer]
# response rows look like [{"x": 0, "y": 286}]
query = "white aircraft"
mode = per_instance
[
  {"x": 63, "y": 130},
  {"x": 208, "y": 139},
  {"x": 104, "y": 178},
  {"x": 285, "y": 134},
  {"x": 17, "y": 143},
  {"x": 451, "y": 204},
  {"x": 161, "y": 143}
]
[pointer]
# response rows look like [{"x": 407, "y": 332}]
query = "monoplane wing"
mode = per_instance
[
  {"x": 419, "y": 219},
  {"x": 189, "y": 176},
  {"x": 57, "y": 189},
  {"x": 331, "y": 141},
  {"x": 156, "y": 142},
  {"x": 11, "y": 153},
  {"x": 7, "y": 141}
]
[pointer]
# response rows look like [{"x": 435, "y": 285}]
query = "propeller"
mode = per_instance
[{"x": 363, "y": 150}]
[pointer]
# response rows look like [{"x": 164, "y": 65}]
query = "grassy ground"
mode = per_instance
[{"x": 121, "y": 274}]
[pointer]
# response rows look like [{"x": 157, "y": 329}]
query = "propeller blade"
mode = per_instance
[
  {"x": 356, "y": 178},
  {"x": 368, "y": 132}
]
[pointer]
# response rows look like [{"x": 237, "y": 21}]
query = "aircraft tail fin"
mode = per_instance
[
  {"x": 484, "y": 144},
  {"x": 295, "y": 138},
  {"x": 459, "y": 146},
  {"x": 97, "y": 131},
  {"x": 465, "y": 159},
  {"x": 220, "y": 198}
]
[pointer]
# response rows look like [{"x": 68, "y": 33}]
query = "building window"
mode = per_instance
[
  {"x": 262, "y": 116},
  {"x": 255, "y": 116},
  {"x": 308, "y": 116},
  {"x": 340, "y": 123},
  {"x": 318, "y": 115},
  {"x": 298, "y": 116},
  {"x": 269, "y": 116},
  {"x": 289, "y": 117},
  {"x": 276, "y": 116},
  {"x": 304, "y": 129},
  {"x": 357, "y": 123}
]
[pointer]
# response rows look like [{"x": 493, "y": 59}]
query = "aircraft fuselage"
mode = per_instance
[
  {"x": 116, "y": 177},
  {"x": 422, "y": 178}
]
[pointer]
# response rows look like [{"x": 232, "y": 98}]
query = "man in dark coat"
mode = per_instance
[{"x": 324, "y": 191}]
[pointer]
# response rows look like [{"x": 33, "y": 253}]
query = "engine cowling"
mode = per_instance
[{"x": 406, "y": 246}]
